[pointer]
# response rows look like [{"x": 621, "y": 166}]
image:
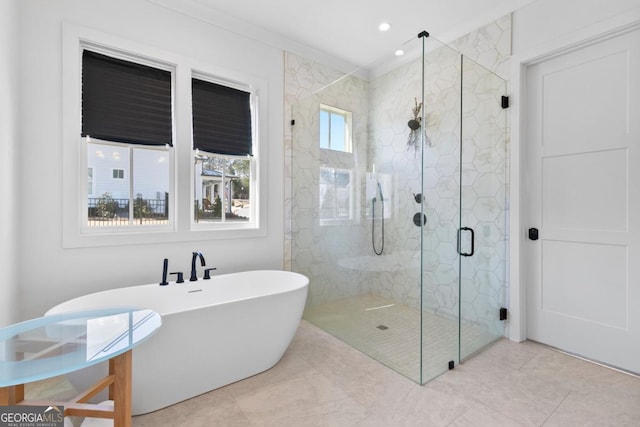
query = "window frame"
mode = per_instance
[
  {"x": 74, "y": 172},
  {"x": 125, "y": 55},
  {"x": 254, "y": 181},
  {"x": 90, "y": 179},
  {"x": 113, "y": 173},
  {"x": 348, "y": 124}
]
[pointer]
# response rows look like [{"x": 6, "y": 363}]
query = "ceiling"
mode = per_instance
[{"x": 347, "y": 29}]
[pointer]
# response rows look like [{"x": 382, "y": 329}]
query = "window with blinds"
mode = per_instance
[
  {"x": 223, "y": 157},
  {"x": 127, "y": 129}
]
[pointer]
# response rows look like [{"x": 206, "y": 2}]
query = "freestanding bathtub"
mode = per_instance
[{"x": 214, "y": 332}]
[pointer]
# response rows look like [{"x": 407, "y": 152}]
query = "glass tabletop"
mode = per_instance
[{"x": 54, "y": 345}]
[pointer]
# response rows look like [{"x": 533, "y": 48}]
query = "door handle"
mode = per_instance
[
  {"x": 533, "y": 234},
  {"x": 473, "y": 241}
]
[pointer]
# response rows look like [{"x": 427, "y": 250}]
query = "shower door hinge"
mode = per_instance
[
  {"x": 503, "y": 313},
  {"x": 293, "y": 122},
  {"x": 504, "y": 102}
]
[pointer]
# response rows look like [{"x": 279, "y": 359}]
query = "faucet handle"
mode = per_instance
[
  {"x": 180, "y": 276},
  {"x": 207, "y": 276}
]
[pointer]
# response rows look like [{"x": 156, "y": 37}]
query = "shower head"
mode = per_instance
[
  {"x": 380, "y": 191},
  {"x": 414, "y": 124}
]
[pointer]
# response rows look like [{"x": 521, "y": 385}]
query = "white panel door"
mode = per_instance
[{"x": 583, "y": 195}]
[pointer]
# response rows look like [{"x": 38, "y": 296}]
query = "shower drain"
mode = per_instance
[{"x": 382, "y": 327}]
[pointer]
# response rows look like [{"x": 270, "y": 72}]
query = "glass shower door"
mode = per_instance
[
  {"x": 482, "y": 235},
  {"x": 353, "y": 179},
  {"x": 442, "y": 79}
]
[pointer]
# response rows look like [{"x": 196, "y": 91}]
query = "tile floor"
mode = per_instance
[
  {"x": 355, "y": 320},
  {"x": 323, "y": 382}
]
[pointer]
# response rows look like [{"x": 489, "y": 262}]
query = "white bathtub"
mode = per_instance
[{"x": 214, "y": 332}]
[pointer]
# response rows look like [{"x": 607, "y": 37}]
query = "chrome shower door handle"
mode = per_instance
[{"x": 473, "y": 239}]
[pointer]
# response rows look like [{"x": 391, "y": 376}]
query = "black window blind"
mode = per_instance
[
  {"x": 126, "y": 102},
  {"x": 221, "y": 119}
]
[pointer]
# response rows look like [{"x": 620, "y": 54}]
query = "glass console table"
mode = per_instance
[{"x": 58, "y": 344}]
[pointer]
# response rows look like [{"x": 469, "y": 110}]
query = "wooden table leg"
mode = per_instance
[
  {"x": 11, "y": 395},
  {"x": 6, "y": 396},
  {"x": 120, "y": 391},
  {"x": 120, "y": 367}
]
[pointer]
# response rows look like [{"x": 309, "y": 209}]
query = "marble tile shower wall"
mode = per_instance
[
  {"x": 302, "y": 78},
  {"x": 338, "y": 258},
  {"x": 489, "y": 46},
  {"x": 323, "y": 249},
  {"x": 392, "y": 99}
]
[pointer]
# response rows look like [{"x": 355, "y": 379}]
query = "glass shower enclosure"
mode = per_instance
[{"x": 399, "y": 207}]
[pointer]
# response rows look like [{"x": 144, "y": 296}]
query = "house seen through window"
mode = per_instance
[
  {"x": 119, "y": 198},
  {"x": 223, "y": 188}
]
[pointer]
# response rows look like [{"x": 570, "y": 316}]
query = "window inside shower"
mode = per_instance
[{"x": 335, "y": 129}]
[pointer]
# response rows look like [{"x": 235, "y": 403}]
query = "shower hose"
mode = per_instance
[{"x": 373, "y": 226}]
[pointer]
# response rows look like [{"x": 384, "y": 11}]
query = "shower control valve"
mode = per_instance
[{"x": 419, "y": 222}]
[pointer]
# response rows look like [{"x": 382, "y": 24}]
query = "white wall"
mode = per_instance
[
  {"x": 541, "y": 28},
  {"x": 49, "y": 273},
  {"x": 545, "y": 20},
  {"x": 8, "y": 138}
]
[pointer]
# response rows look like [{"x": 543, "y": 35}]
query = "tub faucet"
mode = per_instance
[{"x": 195, "y": 255}]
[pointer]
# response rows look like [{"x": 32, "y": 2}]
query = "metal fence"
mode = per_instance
[{"x": 106, "y": 211}]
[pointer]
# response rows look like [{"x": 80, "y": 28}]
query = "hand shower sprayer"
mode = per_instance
[
  {"x": 380, "y": 191},
  {"x": 373, "y": 221}
]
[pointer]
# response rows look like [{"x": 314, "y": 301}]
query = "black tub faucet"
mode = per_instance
[
  {"x": 165, "y": 265},
  {"x": 195, "y": 255}
]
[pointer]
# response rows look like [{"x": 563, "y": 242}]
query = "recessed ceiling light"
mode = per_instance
[
  {"x": 399, "y": 52},
  {"x": 384, "y": 26}
]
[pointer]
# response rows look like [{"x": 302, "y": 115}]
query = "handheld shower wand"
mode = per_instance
[
  {"x": 380, "y": 191},
  {"x": 373, "y": 221}
]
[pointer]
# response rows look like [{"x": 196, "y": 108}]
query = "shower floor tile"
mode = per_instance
[{"x": 391, "y": 333}]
